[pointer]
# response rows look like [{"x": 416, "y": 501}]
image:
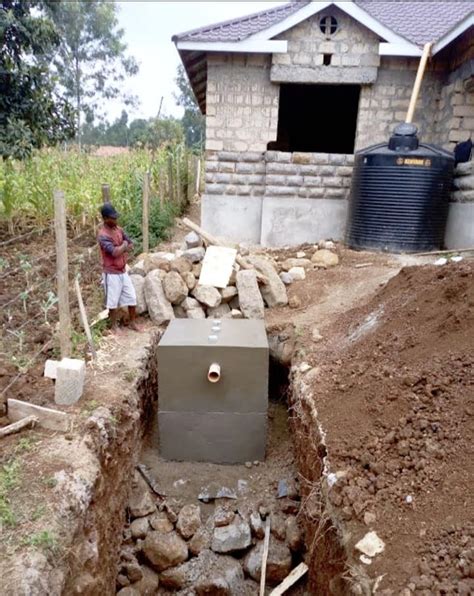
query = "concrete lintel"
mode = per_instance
[
  {"x": 460, "y": 226},
  {"x": 341, "y": 75},
  {"x": 290, "y": 222},
  {"x": 235, "y": 218}
]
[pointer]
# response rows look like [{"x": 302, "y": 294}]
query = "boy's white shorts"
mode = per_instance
[{"x": 119, "y": 290}]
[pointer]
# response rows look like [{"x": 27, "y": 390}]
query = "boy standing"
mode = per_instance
[{"x": 114, "y": 246}]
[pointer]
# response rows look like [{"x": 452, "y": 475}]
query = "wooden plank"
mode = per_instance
[
  {"x": 146, "y": 212},
  {"x": 266, "y": 544},
  {"x": 418, "y": 81},
  {"x": 17, "y": 426},
  {"x": 47, "y": 417},
  {"x": 62, "y": 273},
  {"x": 290, "y": 579},
  {"x": 85, "y": 322}
]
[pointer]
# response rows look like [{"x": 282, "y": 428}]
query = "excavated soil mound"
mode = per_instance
[{"x": 395, "y": 393}]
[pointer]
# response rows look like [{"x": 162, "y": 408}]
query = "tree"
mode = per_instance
[
  {"x": 91, "y": 61},
  {"x": 193, "y": 121},
  {"x": 32, "y": 113}
]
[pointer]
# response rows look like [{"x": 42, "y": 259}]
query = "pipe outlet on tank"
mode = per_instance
[{"x": 214, "y": 373}]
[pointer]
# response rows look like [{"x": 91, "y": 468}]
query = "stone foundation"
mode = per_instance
[{"x": 460, "y": 226}]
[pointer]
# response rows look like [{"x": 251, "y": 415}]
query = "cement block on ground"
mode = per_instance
[
  {"x": 232, "y": 217},
  {"x": 47, "y": 417},
  {"x": 70, "y": 376},
  {"x": 460, "y": 226},
  {"x": 291, "y": 222},
  {"x": 50, "y": 368}
]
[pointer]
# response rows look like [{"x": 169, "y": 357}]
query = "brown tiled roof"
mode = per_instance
[{"x": 419, "y": 22}]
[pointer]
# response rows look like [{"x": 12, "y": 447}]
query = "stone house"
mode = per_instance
[{"x": 292, "y": 92}]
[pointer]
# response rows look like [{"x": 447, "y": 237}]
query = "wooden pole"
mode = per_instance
[
  {"x": 62, "y": 273},
  {"x": 146, "y": 212},
  {"x": 85, "y": 322},
  {"x": 105, "y": 193},
  {"x": 170, "y": 178},
  {"x": 178, "y": 180},
  {"x": 198, "y": 176},
  {"x": 266, "y": 544},
  {"x": 290, "y": 579},
  {"x": 17, "y": 426},
  {"x": 418, "y": 80}
]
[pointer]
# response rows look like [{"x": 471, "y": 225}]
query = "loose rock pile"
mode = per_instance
[
  {"x": 167, "y": 283},
  {"x": 169, "y": 548}
]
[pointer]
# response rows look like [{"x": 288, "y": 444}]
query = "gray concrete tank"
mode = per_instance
[{"x": 213, "y": 390}]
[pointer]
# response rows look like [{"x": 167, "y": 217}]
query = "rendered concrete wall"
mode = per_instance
[{"x": 223, "y": 422}]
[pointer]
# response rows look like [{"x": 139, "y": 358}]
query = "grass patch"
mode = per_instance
[
  {"x": 9, "y": 479},
  {"x": 44, "y": 540}
]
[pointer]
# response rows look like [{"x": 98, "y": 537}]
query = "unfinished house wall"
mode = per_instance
[{"x": 242, "y": 104}]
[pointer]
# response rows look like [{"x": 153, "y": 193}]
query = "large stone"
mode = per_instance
[
  {"x": 219, "y": 312},
  {"x": 149, "y": 583},
  {"x": 189, "y": 520},
  {"x": 297, "y": 273},
  {"x": 181, "y": 265},
  {"x": 174, "y": 578},
  {"x": 196, "y": 313},
  {"x": 164, "y": 550},
  {"x": 133, "y": 570},
  {"x": 160, "y": 522},
  {"x": 278, "y": 563},
  {"x": 159, "y": 307},
  {"x": 189, "y": 280},
  {"x": 207, "y": 295},
  {"x": 139, "y": 527},
  {"x": 140, "y": 502},
  {"x": 195, "y": 255},
  {"x": 256, "y": 525},
  {"x": 201, "y": 540},
  {"x": 138, "y": 268},
  {"x": 159, "y": 260},
  {"x": 231, "y": 538},
  {"x": 139, "y": 284},
  {"x": 294, "y": 538},
  {"x": 325, "y": 258},
  {"x": 174, "y": 287},
  {"x": 274, "y": 291},
  {"x": 189, "y": 303},
  {"x": 250, "y": 299},
  {"x": 290, "y": 263},
  {"x": 128, "y": 591},
  {"x": 179, "y": 312},
  {"x": 228, "y": 293},
  {"x": 193, "y": 240}
]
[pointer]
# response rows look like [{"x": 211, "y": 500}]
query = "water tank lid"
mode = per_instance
[{"x": 405, "y": 129}]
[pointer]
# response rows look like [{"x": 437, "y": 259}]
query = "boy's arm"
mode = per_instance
[{"x": 127, "y": 238}]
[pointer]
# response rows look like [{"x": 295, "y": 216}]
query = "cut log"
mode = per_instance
[
  {"x": 17, "y": 426},
  {"x": 289, "y": 580},
  {"x": 266, "y": 544},
  {"x": 47, "y": 418},
  {"x": 210, "y": 239}
]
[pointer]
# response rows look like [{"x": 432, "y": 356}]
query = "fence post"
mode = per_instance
[
  {"x": 105, "y": 193},
  {"x": 170, "y": 178},
  {"x": 62, "y": 273},
  {"x": 178, "y": 179},
  {"x": 145, "y": 212},
  {"x": 198, "y": 175}
]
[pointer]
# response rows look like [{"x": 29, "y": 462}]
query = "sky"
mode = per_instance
[{"x": 149, "y": 27}]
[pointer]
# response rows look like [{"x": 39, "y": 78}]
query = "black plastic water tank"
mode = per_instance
[{"x": 400, "y": 195}]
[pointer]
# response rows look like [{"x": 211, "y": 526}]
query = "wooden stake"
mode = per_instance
[
  {"x": 85, "y": 322},
  {"x": 17, "y": 426},
  {"x": 418, "y": 80},
  {"x": 178, "y": 180},
  {"x": 198, "y": 176},
  {"x": 145, "y": 212},
  {"x": 266, "y": 544},
  {"x": 62, "y": 273},
  {"x": 170, "y": 178},
  {"x": 290, "y": 579},
  {"x": 105, "y": 193}
]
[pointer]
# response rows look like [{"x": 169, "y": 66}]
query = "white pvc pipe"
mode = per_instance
[{"x": 214, "y": 373}]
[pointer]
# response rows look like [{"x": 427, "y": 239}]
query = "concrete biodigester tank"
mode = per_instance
[{"x": 400, "y": 195}]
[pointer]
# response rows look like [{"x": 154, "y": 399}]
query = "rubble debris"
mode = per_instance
[
  {"x": 164, "y": 550},
  {"x": 234, "y": 537},
  {"x": 250, "y": 299},
  {"x": 325, "y": 258},
  {"x": 370, "y": 545}
]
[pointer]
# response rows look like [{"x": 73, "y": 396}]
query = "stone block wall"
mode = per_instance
[
  {"x": 353, "y": 49},
  {"x": 279, "y": 174},
  {"x": 385, "y": 103},
  {"x": 242, "y": 103}
]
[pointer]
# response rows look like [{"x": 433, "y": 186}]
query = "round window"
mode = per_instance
[{"x": 328, "y": 25}]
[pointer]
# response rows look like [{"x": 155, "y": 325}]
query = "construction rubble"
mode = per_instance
[{"x": 168, "y": 283}]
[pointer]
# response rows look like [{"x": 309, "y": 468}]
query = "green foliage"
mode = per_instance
[
  {"x": 32, "y": 113},
  {"x": 91, "y": 61},
  {"x": 193, "y": 122},
  {"x": 44, "y": 540},
  {"x": 9, "y": 479}
]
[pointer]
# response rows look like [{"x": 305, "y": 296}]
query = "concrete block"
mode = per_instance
[
  {"x": 293, "y": 222},
  {"x": 70, "y": 376},
  {"x": 460, "y": 226},
  {"x": 236, "y": 218},
  {"x": 212, "y": 436},
  {"x": 47, "y": 417},
  {"x": 50, "y": 368}
]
